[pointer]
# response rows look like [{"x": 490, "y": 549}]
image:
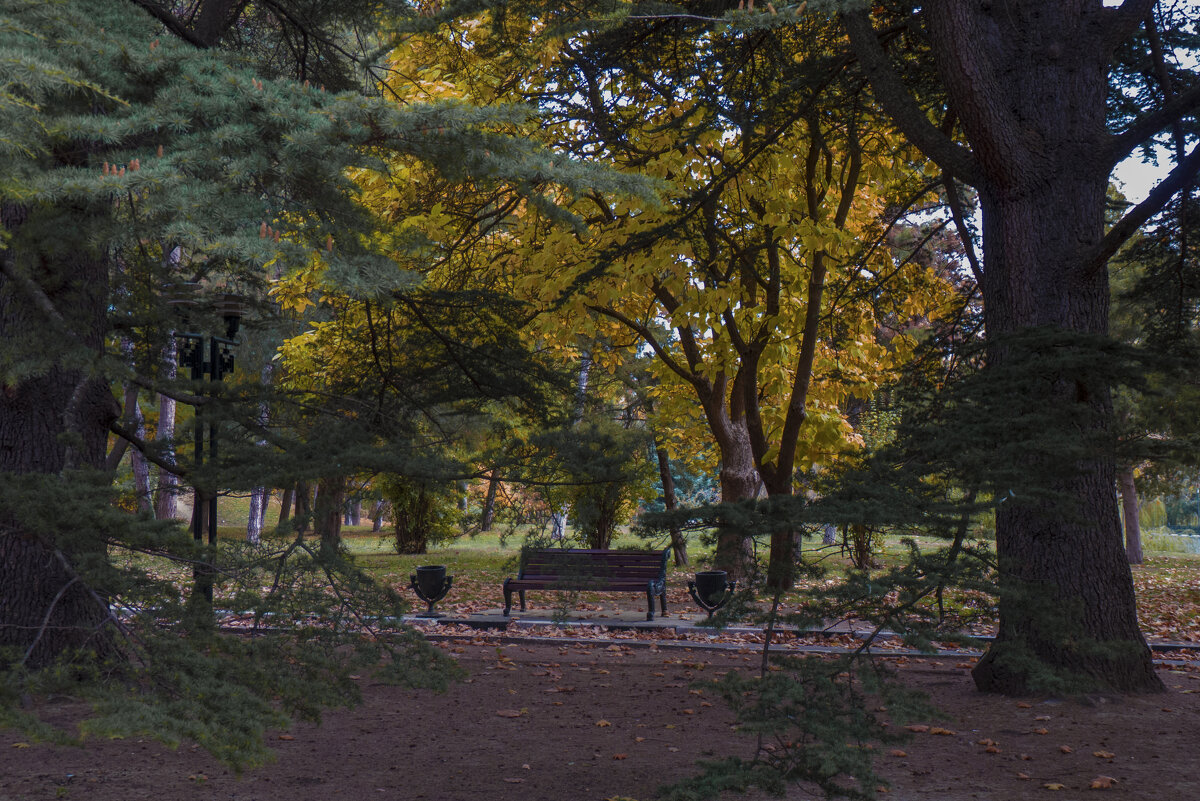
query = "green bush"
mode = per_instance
[{"x": 424, "y": 512}]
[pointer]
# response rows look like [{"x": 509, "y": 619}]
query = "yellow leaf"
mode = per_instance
[
  {"x": 20, "y": 745},
  {"x": 1102, "y": 782},
  {"x": 603, "y": 723},
  {"x": 1103, "y": 754},
  {"x": 1054, "y": 786},
  {"x": 508, "y": 713}
]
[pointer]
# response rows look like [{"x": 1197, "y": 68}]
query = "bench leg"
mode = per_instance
[
  {"x": 522, "y": 594},
  {"x": 507, "y": 599},
  {"x": 662, "y": 599},
  {"x": 649, "y": 603}
]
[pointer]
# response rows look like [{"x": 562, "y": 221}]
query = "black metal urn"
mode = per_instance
[
  {"x": 431, "y": 585},
  {"x": 711, "y": 590}
]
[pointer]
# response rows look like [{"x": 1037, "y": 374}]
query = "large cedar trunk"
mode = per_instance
[
  {"x": 47, "y": 608},
  {"x": 1021, "y": 77}
]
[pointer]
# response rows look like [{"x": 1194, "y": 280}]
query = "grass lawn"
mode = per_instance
[{"x": 1168, "y": 584}]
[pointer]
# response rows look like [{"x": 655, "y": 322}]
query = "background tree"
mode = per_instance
[{"x": 773, "y": 174}]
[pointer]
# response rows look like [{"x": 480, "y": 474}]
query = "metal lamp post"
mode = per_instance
[{"x": 208, "y": 357}]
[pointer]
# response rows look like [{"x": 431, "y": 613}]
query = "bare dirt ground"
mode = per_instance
[{"x": 601, "y": 721}]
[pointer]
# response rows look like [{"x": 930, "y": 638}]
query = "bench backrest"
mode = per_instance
[{"x": 566, "y": 563}]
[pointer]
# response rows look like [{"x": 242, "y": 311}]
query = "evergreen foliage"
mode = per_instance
[{"x": 138, "y": 159}]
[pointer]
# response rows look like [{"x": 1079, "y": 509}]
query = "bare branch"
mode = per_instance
[
  {"x": 147, "y": 449},
  {"x": 171, "y": 22},
  {"x": 899, "y": 103},
  {"x": 1124, "y": 143},
  {"x": 1184, "y": 174}
]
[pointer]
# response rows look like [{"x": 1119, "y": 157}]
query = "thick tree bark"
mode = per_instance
[
  {"x": 1029, "y": 84},
  {"x": 739, "y": 481},
  {"x": 1132, "y": 517},
  {"x": 51, "y": 422},
  {"x": 327, "y": 516}
]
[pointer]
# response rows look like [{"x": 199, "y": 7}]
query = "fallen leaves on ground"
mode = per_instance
[{"x": 1103, "y": 783}]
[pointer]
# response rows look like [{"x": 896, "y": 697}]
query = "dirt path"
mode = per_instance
[{"x": 586, "y": 722}]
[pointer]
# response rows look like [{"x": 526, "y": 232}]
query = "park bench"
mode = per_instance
[{"x": 591, "y": 569}]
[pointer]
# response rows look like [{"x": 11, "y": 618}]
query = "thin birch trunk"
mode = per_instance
[{"x": 167, "y": 491}]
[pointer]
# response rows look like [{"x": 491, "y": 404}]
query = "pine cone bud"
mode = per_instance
[
  {"x": 159, "y": 151},
  {"x": 329, "y": 243},
  {"x": 262, "y": 231}
]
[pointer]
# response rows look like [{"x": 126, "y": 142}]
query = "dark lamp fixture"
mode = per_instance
[{"x": 230, "y": 307}]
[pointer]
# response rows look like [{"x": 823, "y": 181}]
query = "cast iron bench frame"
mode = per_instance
[{"x": 591, "y": 569}]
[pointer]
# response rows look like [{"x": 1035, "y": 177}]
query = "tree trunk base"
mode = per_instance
[{"x": 1010, "y": 668}]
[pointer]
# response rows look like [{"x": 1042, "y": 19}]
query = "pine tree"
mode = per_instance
[{"x": 140, "y": 156}]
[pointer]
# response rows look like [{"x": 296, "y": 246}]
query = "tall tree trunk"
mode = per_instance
[
  {"x": 678, "y": 541},
  {"x": 303, "y": 507},
  {"x": 488, "y": 516},
  {"x": 51, "y": 422},
  {"x": 1038, "y": 141},
  {"x": 327, "y": 516},
  {"x": 376, "y": 516},
  {"x": 1028, "y": 82},
  {"x": 739, "y": 481},
  {"x": 285, "y": 504},
  {"x": 167, "y": 491},
  {"x": 137, "y": 462},
  {"x": 1133, "y": 523},
  {"x": 259, "y": 495}
]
